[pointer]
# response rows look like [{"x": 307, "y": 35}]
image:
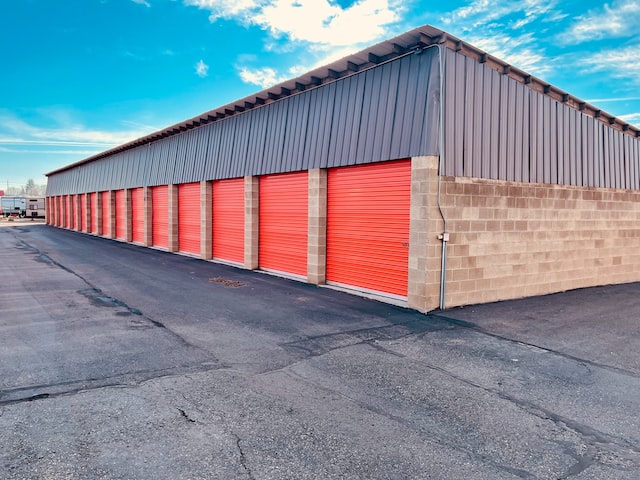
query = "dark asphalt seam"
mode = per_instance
[
  {"x": 322, "y": 344},
  {"x": 590, "y": 436},
  {"x": 88, "y": 388},
  {"x": 472, "y": 326},
  {"x": 97, "y": 293}
]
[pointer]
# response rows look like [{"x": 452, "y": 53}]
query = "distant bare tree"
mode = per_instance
[{"x": 30, "y": 187}]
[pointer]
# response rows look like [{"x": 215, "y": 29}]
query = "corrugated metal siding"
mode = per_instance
[
  {"x": 386, "y": 112},
  {"x": 498, "y": 128}
]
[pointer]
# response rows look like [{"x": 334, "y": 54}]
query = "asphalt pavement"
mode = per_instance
[{"x": 122, "y": 362}]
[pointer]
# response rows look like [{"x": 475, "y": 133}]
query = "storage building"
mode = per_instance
[{"x": 421, "y": 170}]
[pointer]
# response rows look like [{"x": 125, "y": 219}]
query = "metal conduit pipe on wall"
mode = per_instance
[{"x": 444, "y": 236}]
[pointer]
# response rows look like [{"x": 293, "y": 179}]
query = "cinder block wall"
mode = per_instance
[{"x": 511, "y": 240}]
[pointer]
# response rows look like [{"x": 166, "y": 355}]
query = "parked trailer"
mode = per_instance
[
  {"x": 36, "y": 207},
  {"x": 33, "y": 207},
  {"x": 13, "y": 206}
]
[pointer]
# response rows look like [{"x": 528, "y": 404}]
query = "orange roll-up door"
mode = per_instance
[
  {"x": 73, "y": 204},
  {"x": 121, "y": 219},
  {"x": 93, "y": 205},
  {"x": 189, "y": 217},
  {"x": 160, "y": 215},
  {"x": 52, "y": 214},
  {"x": 283, "y": 223},
  {"x": 65, "y": 202},
  {"x": 137, "y": 215},
  {"x": 368, "y": 226},
  {"x": 59, "y": 219},
  {"x": 228, "y": 220},
  {"x": 105, "y": 214},
  {"x": 83, "y": 212}
]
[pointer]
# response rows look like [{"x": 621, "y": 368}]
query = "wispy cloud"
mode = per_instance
[
  {"x": 620, "y": 19},
  {"x": 142, "y": 2},
  {"x": 619, "y": 63},
  {"x": 202, "y": 69},
  {"x": 501, "y": 14},
  {"x": 517, "y": 51},
  {"x": 633, "y": 118},
  {"x": 17, "y": 132},
  {"x": 614, "y": 99},
  {"x": 50, "y": 151},
  {"x": 498, "y": 27}
]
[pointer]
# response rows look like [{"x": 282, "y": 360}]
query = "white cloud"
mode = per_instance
[
  {"x": 614, "y": 99},
  {"x": 267, "y": 77},
  {"x": 51, "y": 152},
  {"x": 202, "y": 69},
  {"x": 621, "y": 19},
  {"x": 518, "y": 51},
  {"x": 15, "y": 131},
  {"x": 501, "y": 13},
  {"x": 264, "y": 77},
  {"x": 618, "y": 63},
  {"x": 497, "y": 28},
  {"x": 227, "y": 9},
  {"x": 316, "y": 21},
  {"x": 633, "y": 118},
  {"x": 142, "y": 2}
]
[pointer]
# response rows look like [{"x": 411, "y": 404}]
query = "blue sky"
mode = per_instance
[{"x": 80, "y": 76}]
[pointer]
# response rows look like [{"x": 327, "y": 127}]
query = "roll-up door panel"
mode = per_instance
[
  {"x": 106, "y": 230},
  {"x": 228, "y": 220},
  {"x": 189, "y": 217},
  {"x": 67, "y": 213},
  {"x": 83, "y": 212},
  {"x": 368, "y": 226},
  {"x": 59, "y": 219},
  {"x": 160, "y": 215},
  {"x": 137, "y": 215},
  {"x": 121, "y": 221},
  {"x": 72, "y": 211},
  {"x": 283, "y": 223},
  {"x": 93, "y": 200}
]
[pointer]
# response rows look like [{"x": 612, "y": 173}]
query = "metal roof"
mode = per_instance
[{"x": 415, "y": 39}]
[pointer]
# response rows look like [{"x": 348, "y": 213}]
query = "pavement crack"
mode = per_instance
[
  {"x": 597, "y": 442},
  {"x": 186, "y": 416},
  {"x": 243, "y": 458},
  {"x": 585, "y": 362},
  {"x": 520, "y": 473},
  {"x": 74, "y": 387}
]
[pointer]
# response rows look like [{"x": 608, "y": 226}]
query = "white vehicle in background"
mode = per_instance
[
  {"x": 22, "y": 206},
  {"x": 13, "y": 206},
  {"x": 35, "y": 207}
]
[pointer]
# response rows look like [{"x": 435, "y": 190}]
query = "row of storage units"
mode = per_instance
[{"x": 364, "y": 222}]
